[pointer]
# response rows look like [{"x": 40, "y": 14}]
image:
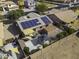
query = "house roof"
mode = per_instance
[
  {"x": 32, "y": 23},
  {"x": 66, "y": 16}
]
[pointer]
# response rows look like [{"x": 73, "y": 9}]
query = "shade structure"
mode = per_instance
[
  {"x": 15, "y": 50},
  {"x": 28, "y": 32}
]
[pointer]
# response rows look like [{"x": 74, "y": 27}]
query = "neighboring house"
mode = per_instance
[
  {"x": 7, "y": 6},
  {"x": 11, "y": 5},
  {"x": 7, "y": 33},
  {"x": 26, "y": 3},
  {"x": 30, "y": 3},
  {"x": 12, "y": 51}
]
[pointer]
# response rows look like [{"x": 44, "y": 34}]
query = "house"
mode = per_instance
[
  {"x": 33, "y": 23},
  {"x": 31, "y": 27},
  {"x": 12, "y": 31},
  {"x": 7, "y": 6},
  {"x": 11, "y": 5}
]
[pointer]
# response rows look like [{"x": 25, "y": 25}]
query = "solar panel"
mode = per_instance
[
  {"x": 45, "y": 20},
  {"x": 31, "y": 23}
]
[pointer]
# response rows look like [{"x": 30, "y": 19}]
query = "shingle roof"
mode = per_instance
[{"x": 66, "y": 16}]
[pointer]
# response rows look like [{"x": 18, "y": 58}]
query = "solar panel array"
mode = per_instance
[
  {"x": 34, "y": 22},
  {"x": 45, "y": 20},
  {"x": 31, "y": 23}
]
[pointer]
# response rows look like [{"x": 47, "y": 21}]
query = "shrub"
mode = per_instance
[
  {"x": 45, "y": 45},
  {"x": 70, "y": 30},
  {"x": 62, "y": 35},
  {"x": 41, "y": 7},
  {"x": 26, "y": 50}
]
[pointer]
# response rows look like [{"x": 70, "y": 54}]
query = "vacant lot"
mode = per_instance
[{"x": 67, "y": 48}]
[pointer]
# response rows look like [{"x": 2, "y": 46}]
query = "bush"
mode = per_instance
[
  {"x": 15, "y": 14},
  {"x": 26, "y": 50},
  {"x": 1, "y": 17},
  {"x": 70, "y": 30},
  {"x": 62, "y": 35},
  {"x": 45, "y": 45},
  {"x": 41, "y": 7}
]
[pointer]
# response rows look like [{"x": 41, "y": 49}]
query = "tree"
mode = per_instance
[
  {"x": 15, "y": 14},
  {"x": 26, "y": 50},
  {"x": 41, "y": 7},
  {"x": 1, "y": 17}
]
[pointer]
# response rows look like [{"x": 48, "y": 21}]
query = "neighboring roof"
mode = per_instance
[
  {"x": 1, "y": 42},
  {"x": 12, "y": 31},
  {"x": 6, "y": 31},
  {"x": 1, "y": 34},
  {"x": 75, "y": 24},
  {"x": 66, "y": 48},
  {"x": 1, "y": 30},
  {"x": 7, "y": 3},
  {"x": 9, "y": 47},
  {"x": 66, "y": 16}
]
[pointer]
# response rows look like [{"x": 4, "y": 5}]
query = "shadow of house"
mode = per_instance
[
  {"x": 39, "y": 40},
  {"x": 14, "y": 30},
  {"x": 77, "y": 34}
]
